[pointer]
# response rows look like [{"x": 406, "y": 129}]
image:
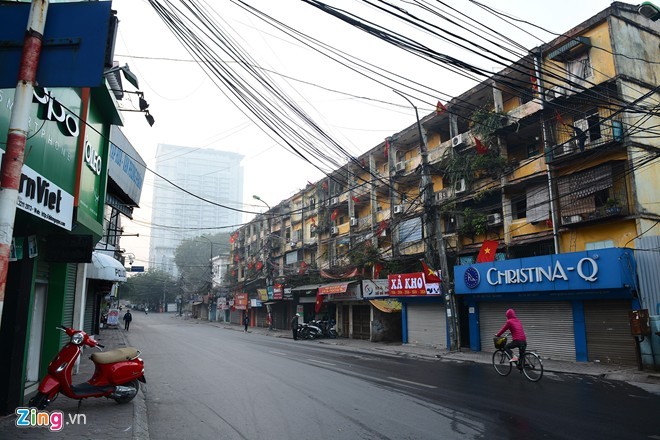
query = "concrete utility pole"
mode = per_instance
[
  {"x": 431, "y": 221},
  {"x": 12, "y": 161}
]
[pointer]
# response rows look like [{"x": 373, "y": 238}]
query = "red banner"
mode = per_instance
[
  {"x": 406, "y": 284},
  {"x": 277, "y": 291},
  {"x": 241, "y": 301},
  {"x": 333, "y": 288}
]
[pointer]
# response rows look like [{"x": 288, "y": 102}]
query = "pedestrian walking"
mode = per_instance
[
  {"x": 246, "y": 322},
  {"x": 127, "y": 319},
  {"x": 294, "y": 326}
]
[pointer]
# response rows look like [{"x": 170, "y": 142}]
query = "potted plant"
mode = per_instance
[{"x": 612, "y": 206}]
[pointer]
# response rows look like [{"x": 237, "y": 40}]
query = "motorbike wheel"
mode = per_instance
[
  {"x": 135, "y": 384},
  {"x": 332, "y": 334},
  {"x": 40, "y": 401}
]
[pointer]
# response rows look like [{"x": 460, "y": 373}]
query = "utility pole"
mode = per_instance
[
  {"x": 431, "y": 221},
  {"x": 12, "y": 161}
]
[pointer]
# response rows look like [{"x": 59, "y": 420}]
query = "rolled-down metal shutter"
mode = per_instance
[
  {"x": 608, "y": 332},
  {"x": 548, "y": 326},
  {"x": 69, "y": 299},
  {"x": 90, "y": 298},
  {"x": 427, "y": 325}
]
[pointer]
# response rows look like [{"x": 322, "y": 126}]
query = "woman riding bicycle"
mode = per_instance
[{"x": 517, "y": 334}]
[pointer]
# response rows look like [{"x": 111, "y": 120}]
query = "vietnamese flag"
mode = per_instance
[
  {"x": 488, "y": 251},
  {"x": 319, "y": 302},
  {"x": 355, "y": 199},
  {"x": 334, "y": 214},
  {"x": 440, "y": 108},
  {"x": 481, "y": 148},
  {"x": 430, "y": 275}
]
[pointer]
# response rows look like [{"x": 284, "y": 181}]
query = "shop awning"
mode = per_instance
[
  {"x": 387, "y": 305},
  {"x": 306, "y": 287},
  {"x": 332, "y": 288},
  {"x": 104, "y": 267}
]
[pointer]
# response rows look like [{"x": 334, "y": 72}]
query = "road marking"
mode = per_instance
[
  {"x": 412, "y": 383},
  {"x": 321, "y": 362},
  {"x": 278, "y": 352}
]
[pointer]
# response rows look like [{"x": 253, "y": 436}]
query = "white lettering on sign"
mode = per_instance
[
  {"x": 92, "y": 158},
  {"x": 54, "y": 111},
  {"x": 587, "y": 269}
]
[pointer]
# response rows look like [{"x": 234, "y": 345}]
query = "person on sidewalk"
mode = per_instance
[
  {"x": 127, "y": 319},
  {"x": 518, "y": 337},
  {"x": 246, "y": 322},
  {"x": 294, "y": 326}
]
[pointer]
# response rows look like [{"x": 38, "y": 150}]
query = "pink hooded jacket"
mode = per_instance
[{"x": 513, "y": 324}]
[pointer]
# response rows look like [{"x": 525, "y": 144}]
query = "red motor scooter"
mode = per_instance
[{"x": 116, "y": 373}]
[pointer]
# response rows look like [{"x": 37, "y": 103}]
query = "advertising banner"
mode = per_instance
[{"x": 407, "y": 284}]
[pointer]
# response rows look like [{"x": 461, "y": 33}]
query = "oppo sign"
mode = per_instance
[
  {"x": 586, "y": 268},
  {"x": 54, "y": 111}
]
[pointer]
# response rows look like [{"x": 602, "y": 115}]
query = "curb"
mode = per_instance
[{"x": 140, "y": 416}]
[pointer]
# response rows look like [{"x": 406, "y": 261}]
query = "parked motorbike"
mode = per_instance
[
  {"x": 327, "y": 328},
  {"x": 309, "y": 331},
  {"x": 116, "y": 376}
]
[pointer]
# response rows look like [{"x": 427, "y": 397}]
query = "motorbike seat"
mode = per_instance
[{"x": 116, "y": 355}]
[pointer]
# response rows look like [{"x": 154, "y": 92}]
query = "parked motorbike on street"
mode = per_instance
[
  {"x": 116, "y": 376},
  {"x": 309, "y": 331}
]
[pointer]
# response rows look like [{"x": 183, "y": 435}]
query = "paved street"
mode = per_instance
[{"x": 209, "y": 380}]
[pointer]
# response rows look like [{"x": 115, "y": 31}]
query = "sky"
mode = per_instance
[{"x": 192, "y": 109}]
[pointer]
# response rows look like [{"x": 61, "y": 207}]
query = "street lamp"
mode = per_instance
[{"x": 255, "y": 197}]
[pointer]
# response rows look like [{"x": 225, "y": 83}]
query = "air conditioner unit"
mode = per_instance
[
  {"x": 398, "y": 209},
  {"x": 334, "y": 200},
  {"x": 461, "y": 186},
  {"x": 334, "y": 230},
  {"x": 458, "y": 141},
  {"x": 494, "y": 219},
  {"x": 354, "y": 221},
  {"x": 442, "y": 195},
  {"x": 400, "y": 167}
]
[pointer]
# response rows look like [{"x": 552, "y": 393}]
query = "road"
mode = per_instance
[{"x": 209, "y": 382}]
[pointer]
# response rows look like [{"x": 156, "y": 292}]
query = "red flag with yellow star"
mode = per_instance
[
  {"x": 319, "y": 302},
  {"x": 431, "y": 276},
  {"x": 488, "y": 251}
]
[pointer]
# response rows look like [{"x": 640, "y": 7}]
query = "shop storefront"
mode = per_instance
[
  {"x": 423, "y": 315},
  {"x": 344, "y": 303},
  {"x": 573, "y": 306}
]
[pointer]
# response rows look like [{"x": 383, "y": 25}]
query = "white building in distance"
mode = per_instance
[{"x": 178, "y": 213}]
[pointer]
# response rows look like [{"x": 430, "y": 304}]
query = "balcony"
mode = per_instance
[
  {"x": 523, "y": 111},
  {"x": 596, "y": 135},
  {"x": 593, "y": 194},
  {"x": 527, "y": 168}
]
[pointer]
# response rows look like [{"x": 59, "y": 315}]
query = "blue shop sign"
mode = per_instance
[{"x": 602, "y": 269}]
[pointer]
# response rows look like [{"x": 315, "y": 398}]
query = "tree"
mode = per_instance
[
  {"x": 193, "y": 260},
  {"x": 148, "y": 288}
]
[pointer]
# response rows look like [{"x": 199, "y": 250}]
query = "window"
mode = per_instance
[
  {"x": 538, "y": 204},
  {"x": 533, "y": 150},
  {"x": 410, "y": 230},
  {"x": 519, "y": 207},
  {"x": 579, "y": 69},
  {"x": 287, "y": 234},
  {"x": 604, "y": 244},
  {"x": 291, "y": 257}
]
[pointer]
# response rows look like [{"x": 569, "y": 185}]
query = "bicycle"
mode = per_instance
[{"x": 529, "y": 363}]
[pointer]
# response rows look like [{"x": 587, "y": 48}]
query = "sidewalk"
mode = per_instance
[
  {"x": 606, "y": 371},
  {"x": 103, "y": 418}
]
